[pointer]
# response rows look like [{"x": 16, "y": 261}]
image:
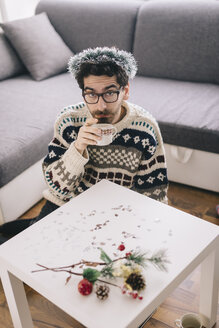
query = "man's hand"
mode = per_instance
[{"x": 88, "y": 135}]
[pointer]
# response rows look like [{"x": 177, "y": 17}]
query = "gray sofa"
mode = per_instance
[{"x": 176, "y": 45}]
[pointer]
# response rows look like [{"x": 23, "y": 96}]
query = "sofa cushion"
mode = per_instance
[
  {"x": 187, "y": 112},
  {"x": 91, "y": 24},
  {"x": 40, "y": 47},
  {"x": 27, "y": 119},
  {"x": 178, "y": 40},
  {"x": 10, "y": 63}
]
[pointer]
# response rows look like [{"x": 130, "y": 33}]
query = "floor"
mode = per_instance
[{"x": 184, "y": 299}]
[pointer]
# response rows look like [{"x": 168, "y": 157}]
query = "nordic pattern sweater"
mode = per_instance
[{"x": 135, "y": 159}]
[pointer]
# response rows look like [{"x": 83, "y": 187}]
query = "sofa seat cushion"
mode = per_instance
[
  {"x": 28, "y": 112},
  {"x": 187, "y": 112}
]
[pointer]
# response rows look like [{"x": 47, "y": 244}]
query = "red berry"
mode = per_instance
[
  {"x": 140, "y": 297},
  {"x": 85, "y": 287},
  {"x": 121, "y": 247},
  {"x": 134, "y": 295},
  {"x": 128, "y": 254}
]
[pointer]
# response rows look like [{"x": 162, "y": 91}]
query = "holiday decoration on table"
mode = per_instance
[{"x": 127, "y": 268}]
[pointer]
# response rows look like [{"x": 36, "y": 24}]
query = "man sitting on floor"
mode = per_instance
[{"x": 135, "y": 158}]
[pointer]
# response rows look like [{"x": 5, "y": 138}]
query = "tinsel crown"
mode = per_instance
[{"x": 101, "y": 55}]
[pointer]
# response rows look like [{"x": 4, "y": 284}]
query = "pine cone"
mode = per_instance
[
  {"x": 136, "y": 281},
  {"x": 102, "y": 291}
]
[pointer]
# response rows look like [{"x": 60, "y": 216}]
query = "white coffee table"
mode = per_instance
[{"x": 72, "y": 233}]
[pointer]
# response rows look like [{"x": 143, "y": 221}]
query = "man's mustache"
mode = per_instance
[{"x": 105, "y": 112}]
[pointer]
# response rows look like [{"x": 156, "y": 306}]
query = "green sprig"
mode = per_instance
[
  {"x": 138, "y": 258},
  {"x": 107, "y": 271},
  {"x": 104, "y": 257},
  {"x": 91, "y": 274},
  {"x": 159, "y": 260}
]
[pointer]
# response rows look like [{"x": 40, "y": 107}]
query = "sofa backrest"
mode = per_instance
[
  {"x": 178, "y": 40},
  {"x": 89, "y": 24}
]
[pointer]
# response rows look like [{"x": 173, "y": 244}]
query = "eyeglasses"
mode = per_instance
[{"x": 108, "y": 96}]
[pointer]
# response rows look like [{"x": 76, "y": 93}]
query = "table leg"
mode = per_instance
[
  {"x": 209, "y": 288},
  {"x": 17, "y": 301}
]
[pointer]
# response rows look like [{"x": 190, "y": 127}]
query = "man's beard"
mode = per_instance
[
  {"x": 104, "y": 120},
  {"x": 107, "y": 119}
]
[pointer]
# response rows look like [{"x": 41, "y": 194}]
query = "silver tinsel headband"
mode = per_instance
[{"x": 100, "y": 55}]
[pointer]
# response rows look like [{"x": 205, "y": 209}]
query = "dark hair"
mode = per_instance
[{"x": 108, "y": 68}]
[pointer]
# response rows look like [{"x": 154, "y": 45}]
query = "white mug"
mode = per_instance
[
  {"x": 108, "y": 131},
  {"x": 189, "y": 320}
]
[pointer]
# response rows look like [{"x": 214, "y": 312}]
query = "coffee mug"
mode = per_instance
[
  {"x": 189, "y": 320},
  {"x": 108, "y": 131}
]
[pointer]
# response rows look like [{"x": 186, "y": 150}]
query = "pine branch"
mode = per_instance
[
  {"x": 107, "y": 271},
  {"x": 71, "y": 272},
  {"x": 87, "y": 263},
  {"x": 159, "y": 260},
  {"x": 138, "y": 258},
  {"x": 56, "y": 270}
]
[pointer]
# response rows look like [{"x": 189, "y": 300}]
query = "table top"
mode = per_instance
[{"x": 105, "y": 216}]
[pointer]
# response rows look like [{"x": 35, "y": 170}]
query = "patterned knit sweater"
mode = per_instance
[{"x": 135, "y": 159}]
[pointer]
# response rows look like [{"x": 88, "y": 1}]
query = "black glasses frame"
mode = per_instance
[{"x": 101, "y": 95}]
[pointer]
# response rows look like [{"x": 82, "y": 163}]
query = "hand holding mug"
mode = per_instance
[{"x": 88, "y": 135}]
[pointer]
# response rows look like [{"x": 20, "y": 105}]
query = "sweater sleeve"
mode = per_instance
[
  {"x": 63, "y": 167},
  {"x": 151, "y": 177}
]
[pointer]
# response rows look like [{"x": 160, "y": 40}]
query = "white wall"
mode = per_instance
[{"x": 15, "y": 9}]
